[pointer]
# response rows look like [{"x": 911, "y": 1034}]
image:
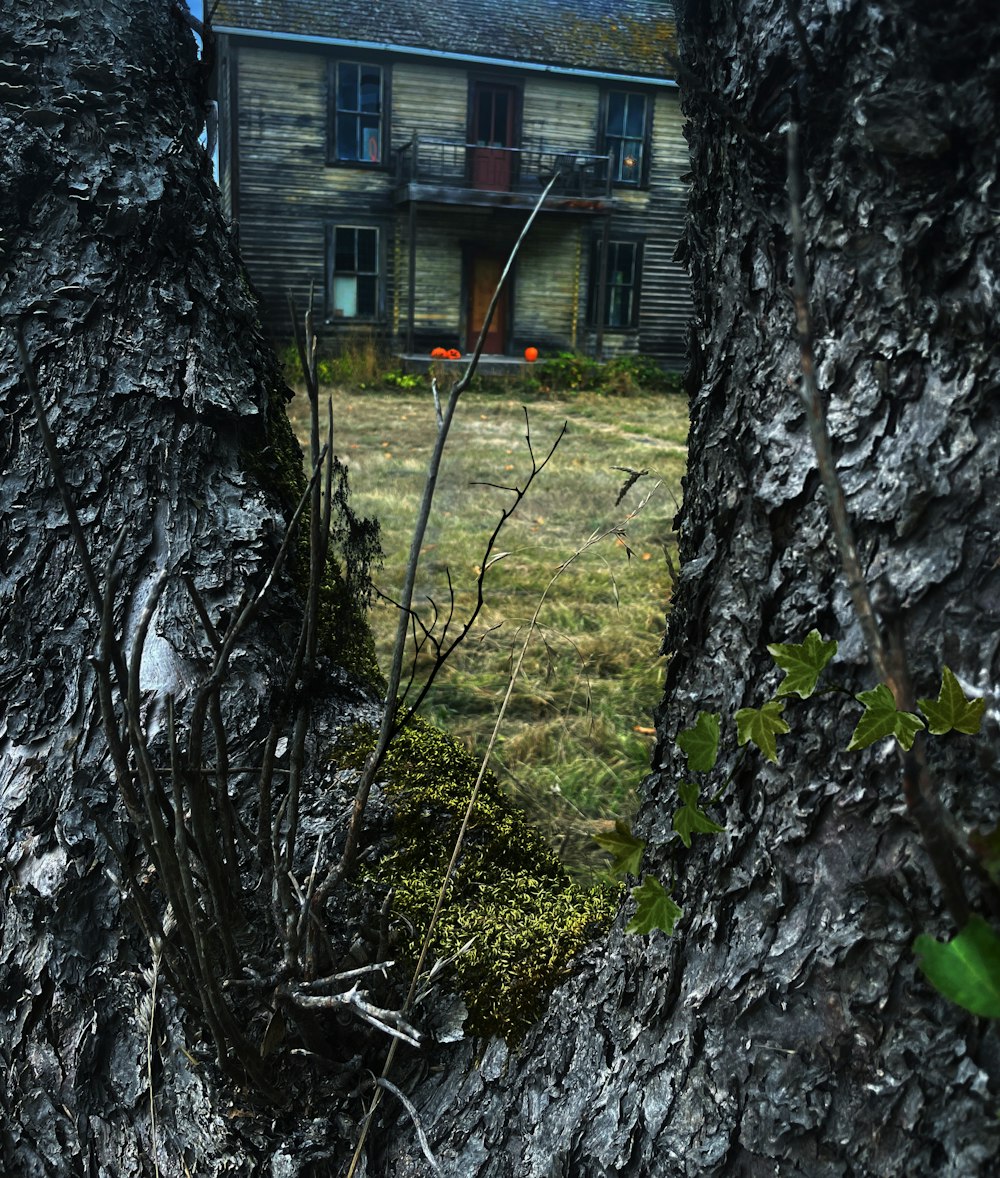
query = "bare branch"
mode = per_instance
[{"x": 816, "y": 417}]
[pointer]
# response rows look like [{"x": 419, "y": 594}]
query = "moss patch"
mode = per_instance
[{"x": 510, "y": 895}]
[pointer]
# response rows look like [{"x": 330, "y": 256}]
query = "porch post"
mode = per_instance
[
  {"x": 412, "y": 275},
  {"x": 602, "y": 286}
]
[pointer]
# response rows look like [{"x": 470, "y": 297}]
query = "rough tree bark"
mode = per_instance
[
  {"x": 142, "y": 332},
  {"x": 784, "y": 1028}
]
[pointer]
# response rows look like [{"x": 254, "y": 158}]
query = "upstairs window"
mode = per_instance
[
  {"x": 353, "y": 273},
  {"x": 621, "y": 287},
  {"x": 357, "y": 102},
  {"x": 626, "y": 135}
]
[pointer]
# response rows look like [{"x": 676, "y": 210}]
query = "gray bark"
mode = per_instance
[
  {"x": 142, "y": 332},
  {"x": 785, "y": 1029}
]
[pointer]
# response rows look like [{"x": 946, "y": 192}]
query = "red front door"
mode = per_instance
[
  {"x": 484, "y": 272},
  {"x": 492, "y": 137}
]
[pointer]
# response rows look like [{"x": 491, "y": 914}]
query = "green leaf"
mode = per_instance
[
  {"x": 966, "y": 970},
  {"x": 880, "y": 718},
  {"x": 689, "y": 818},
  {"x": 700, "y": 744},
  {"x": 802, "y": 662},
  {"x": 762, "y": 725},
  {"x": 625, "y": 847},
  {"x": 654, "y": 908},
  {"x": 952, "y": 710}
]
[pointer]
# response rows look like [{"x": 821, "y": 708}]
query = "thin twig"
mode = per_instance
[
  {"x": 388, "y": 726},
  {"x": 889, "y": 666},
  {"x": 382, "y": 1082},
  {"x": 816, "y": 417},
  {"x": 55, "y": 463},
  {"x": 150, "y": 1029}
]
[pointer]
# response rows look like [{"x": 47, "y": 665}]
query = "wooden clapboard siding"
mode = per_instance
[
  {"x": 438, "y": 295},
  {"x": 665, "y": 302},
  {"x": 548, "y": 279},
  {"x": 428, "y": 100},
  {"x": 560, "y": 113}
]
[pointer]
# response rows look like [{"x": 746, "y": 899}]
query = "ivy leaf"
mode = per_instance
[
  {"x": 802, "y": 662},
  {"x": 689, "y": 818},
  {"x": 654, "y": 908},
  {"x": 700, "y": 744},
  {"x": 966, "y": 970},
  {"x": 952, "y": 710},
  {"x": 762, "y": 725},
  {"x": 624, "y": 846},
  {"x": 880, "y": 718}
]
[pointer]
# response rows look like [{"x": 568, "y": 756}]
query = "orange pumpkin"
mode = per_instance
[
  {"x": 438, "y": 354},
  {"x": 531, "y": 355},
  {"x": 454, "y": 354}
]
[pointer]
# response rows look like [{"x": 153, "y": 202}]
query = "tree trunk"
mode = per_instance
[
  {"x": 785, "y": 1029},
  {"x": 142, "y": 338}
]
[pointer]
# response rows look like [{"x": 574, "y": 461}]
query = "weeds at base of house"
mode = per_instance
[{"x": 361, "y": 362}]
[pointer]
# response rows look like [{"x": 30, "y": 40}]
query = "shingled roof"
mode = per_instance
[{"x": 608, "y": 36}]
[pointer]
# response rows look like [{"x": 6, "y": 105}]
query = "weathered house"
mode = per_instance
[{"x": 388, "y": 152}]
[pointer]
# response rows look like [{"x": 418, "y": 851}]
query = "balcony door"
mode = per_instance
[{"x": 492, "y": 136}]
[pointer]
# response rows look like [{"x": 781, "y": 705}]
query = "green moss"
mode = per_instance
[{"x": 510, "y": 895}]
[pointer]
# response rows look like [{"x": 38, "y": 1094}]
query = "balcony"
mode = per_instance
[{"x": 452, "y": 172}]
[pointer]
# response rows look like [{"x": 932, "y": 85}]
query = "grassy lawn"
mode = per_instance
[{"x": 569, "y": 749}]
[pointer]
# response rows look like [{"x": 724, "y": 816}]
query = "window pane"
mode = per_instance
[
  {"x": 616, "y": 113},
  {"x": 345, "y": 297},
  {"x": 484, "y": 118},
  {"x": 366, "y": 286},
  {"x": 367, "y": 252},
  {"x": 625, "y": 263},
  {"x": 500, "y": 115},
  {"x": 617, "y": 309},
  {"x": 371, "y": 146},
  {"x": 344, "y": 255},
  {"x": 635, "y": 122},
  {"x": 347, "y": 87},
  {"x": 347, "y": 137},
  {"x": 371, "y": 90},
  {"x": 630, "y": 161}
]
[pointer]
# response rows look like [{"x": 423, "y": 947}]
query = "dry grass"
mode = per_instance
[{"x": 570, "y": 750}]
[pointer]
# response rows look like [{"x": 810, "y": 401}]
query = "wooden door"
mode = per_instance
[
  {"x": 492, "y": 137},
  {"x": 484, "y": 272}
]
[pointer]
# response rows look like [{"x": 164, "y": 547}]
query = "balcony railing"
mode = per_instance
[{"x": 454, "y": 164}]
